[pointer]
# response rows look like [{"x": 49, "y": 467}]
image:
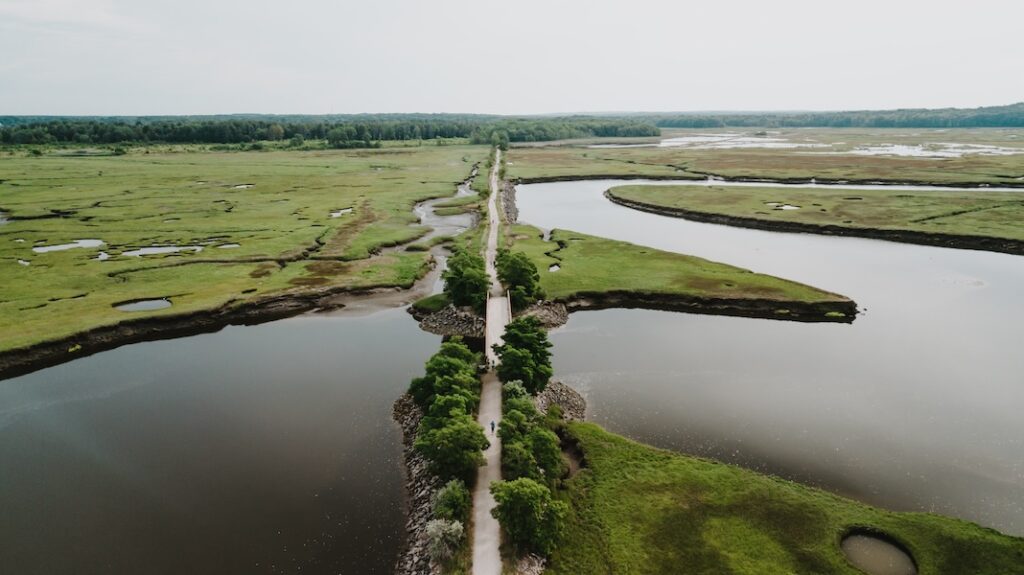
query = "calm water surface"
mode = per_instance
[
  {"x": 915, "y": 406},
  {"x": 266, "y": 449}
]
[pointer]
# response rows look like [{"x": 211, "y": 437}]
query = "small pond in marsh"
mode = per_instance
[
  {"x": 876, "y": 556},
  {"x": 69, "y": 246},
  {"x": 144, "y": 305},
  {"x": 262, "y": 449},
  {"x": 915, "y": 406}
]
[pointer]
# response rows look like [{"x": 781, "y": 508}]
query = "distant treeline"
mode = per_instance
[
  {"x": 991, "y": 117},
  {"x": 339, "y": 131},
  {"x": 366, "y": 130},
  {"x": 546, "y": 130}
]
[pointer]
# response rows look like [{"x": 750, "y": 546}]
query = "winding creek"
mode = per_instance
[
  {"x": 915, "y": 406},
  {"x": 271, "y": 448}
]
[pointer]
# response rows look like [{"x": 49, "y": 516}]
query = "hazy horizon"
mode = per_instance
[{"x": 120, "y": 58}]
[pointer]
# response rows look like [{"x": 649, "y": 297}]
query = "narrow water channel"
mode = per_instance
[{"x": 915, "y": 406}]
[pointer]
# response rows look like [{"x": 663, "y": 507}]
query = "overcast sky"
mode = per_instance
[{"x": 136, "y": 57}]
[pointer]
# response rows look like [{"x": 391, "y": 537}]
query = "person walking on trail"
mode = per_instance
[{"x": 492, "y": 427}]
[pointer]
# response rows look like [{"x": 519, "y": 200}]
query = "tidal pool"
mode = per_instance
[
  {"x": 914, "y": 406},
  {"x": 69, "y": 246},
  {"x": 261, "y": 449},
  {"x": 876, "y": 556},
  {"x": 144, "y": 305},
  {"x": 157, "y": 250}
]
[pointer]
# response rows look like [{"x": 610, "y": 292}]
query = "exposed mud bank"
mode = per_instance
[
  {"x": 826, "y": 311},
  {"x": 1002, "y": 245}
]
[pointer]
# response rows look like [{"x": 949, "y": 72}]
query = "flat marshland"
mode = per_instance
[{"x": 227, "y": 227}]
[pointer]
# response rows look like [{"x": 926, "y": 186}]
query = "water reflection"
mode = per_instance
[
  {"x": 260, "y": 449},
  {"x": 916, "y": 405}
]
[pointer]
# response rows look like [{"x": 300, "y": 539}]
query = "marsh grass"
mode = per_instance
[{"x": 275, "y": 205}]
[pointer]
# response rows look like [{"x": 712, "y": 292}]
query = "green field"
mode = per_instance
[
  {"x": 276, "y": 206},
  {"x": 637, "y": 509},
  {"x": 992, "y": 214},
  {"x": 590, "y": 265},
  {"x": 825, "y": 154}
]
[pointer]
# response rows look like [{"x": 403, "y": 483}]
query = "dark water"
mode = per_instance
[
  {"x": 915, "y": 406},
  {"x": 265, "y": 449}
]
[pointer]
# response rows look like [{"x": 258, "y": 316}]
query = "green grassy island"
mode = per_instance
[{"x": 976, "y": 220}]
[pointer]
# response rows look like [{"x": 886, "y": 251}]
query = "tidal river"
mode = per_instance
[
  {"x": 915, "y": 406},
  {"x": 266, "y": 449}
]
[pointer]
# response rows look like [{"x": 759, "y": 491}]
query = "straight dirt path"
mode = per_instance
[{"x": 486, "y": 531}]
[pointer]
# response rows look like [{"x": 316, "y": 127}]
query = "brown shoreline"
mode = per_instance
[
  {"x": 956, "y": 241},
  {"x": 24, "y": 360},
  {"x": 761, "y": 308},
  {"x": 700, "y": 176}
]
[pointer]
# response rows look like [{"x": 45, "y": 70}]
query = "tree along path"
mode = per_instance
[{"x": 486, "y": 531}]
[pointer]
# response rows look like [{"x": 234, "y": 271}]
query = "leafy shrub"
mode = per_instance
[
  {"x": 528, "y": 514},
  {"x": 443, "y": 538},
  {"x": 453, "y": 502}
]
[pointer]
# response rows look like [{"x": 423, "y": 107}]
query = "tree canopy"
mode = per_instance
[{"x": 528, "y": 514}]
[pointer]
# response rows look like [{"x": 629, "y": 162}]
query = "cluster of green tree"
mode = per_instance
[
  {"x": 987, "y": 117},
  {"x": 349, "y": 134},
  {"x": 446, "y": 531},
  {"x": 339, "y": 131},
  {"x": 531, "y": 462},
  {"x": 448, "y": 436},
  {"x": 528, "y": 447},
  {"x": 465, "y": 280},
  {"x": 519, "y": 275},
  {"x": 531, "y": 518},
  {"x": 502, "y": 132},
  {"x": 525, "y": 354},
  {"x": 272, "y": 118}
]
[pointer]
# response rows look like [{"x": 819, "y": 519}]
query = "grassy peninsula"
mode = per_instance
[
  {"x": 961, "y": 219},
  {"x": 637, "y": 509},
  {"x": 597, "y": 272}
]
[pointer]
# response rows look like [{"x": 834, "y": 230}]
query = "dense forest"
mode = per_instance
[
  {"x": 338, "y": 131},
  {"x": 368, "y": 130},
  {"x": 1011, "y": 116}
]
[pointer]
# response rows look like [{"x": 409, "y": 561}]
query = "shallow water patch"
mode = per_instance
[
  {"x": 157, "y": 250},
  {"x": 144, "y": 304},
  {"x": 72, "y": 245},
  {"x": 877, "y": 554},
  {"x": 781, "y": 206},
  {"x": 936, "y": 150}
]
